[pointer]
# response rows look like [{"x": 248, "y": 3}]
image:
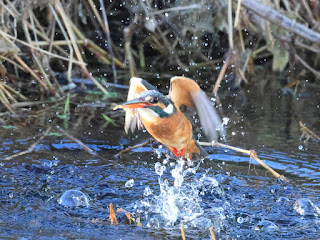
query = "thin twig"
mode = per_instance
[
  {"x": 236, "y": 19},
  {"x": 107, "y": 32},
  {"x": 230, "y": 24},
  {"x": 82, "y": 145},
  {"x": 183, "y": 234},
  {"x": 307, "y": 131},
  {"x": 67, "y": 40},
  {"x": 30, "y": 149},
  {"x": 28, "y": 69},
  {"x": 68, "y": 25},
  {"x": 222, "y": 72},
  {"x": 307, "y": 66},
  {"x": 251, "y": 153},
  {"x": 149, "y": 141},
  {"x": 213, "y": 237},
  {"x": 40, "y": 49}
]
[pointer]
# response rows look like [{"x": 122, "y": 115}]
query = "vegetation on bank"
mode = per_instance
[{"x": 41, "y": 40}]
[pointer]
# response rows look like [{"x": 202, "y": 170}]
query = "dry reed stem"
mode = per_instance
[
  {"x": 15, "y": 92},
  {"x": 26, "y": 67},
  {"x": 96, "y": 13},
  {"x": 274, "y": 16},
  {"x": 106, "y": 29},
  {"x": 72, "y": 36},
  {"x": 26, "y": 32},
  {"x": 100, "y": 52},
  {"x": 5, "y": 101},
  {"x": 213, "y": 236},
  {"x": 30, "y": 104},
  {"x": 40, "y": 49},
  {"x": 222, "y": 72},
  {"x": 53, "y": 43},
  {"x": 16, "y": 15},
  {"x": 236, "y": 19},
  {"x": 12, "y": 62},
  {"x": 308, "y": 132},
  {"x": 7, "y": 93},
  {"x": 66, "y": 39},
  {"x": 30, "y": 149},
  {"x": 230, "y": 33},
  {"x": 139, "y": 224},
  {"x": 128, "y": 215},
  {"x": 183, "y": 234},
  {"x": 112, "y": 215},
  {"x": 307, "y": 66}
]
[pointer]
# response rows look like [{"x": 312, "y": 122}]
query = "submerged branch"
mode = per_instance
[
  {"x": 149, "y": 141},
  {"x": 31, "y": 148},
  {"x": 307, "y": 133},
  {"x": 251, "y": 153},
  {"x": 76, "y": 140}
]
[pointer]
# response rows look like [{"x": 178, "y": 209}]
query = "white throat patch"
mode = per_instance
[
  {"x": 169, "y": 109},
  {"x": 148, "y": 114}
]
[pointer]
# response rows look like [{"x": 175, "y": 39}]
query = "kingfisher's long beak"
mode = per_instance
[{"x": 135, "y": 103}]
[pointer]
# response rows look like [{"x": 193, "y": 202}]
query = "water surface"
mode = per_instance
[{"x": 223, "y": 192}]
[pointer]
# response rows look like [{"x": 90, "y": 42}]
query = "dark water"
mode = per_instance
[{"x": 221, "y": 192}]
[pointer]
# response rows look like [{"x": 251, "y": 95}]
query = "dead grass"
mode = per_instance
[{"x": 146, "y": 36}]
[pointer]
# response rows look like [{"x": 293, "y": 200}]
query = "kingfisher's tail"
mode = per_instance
[{"x": 195, "y": 152}]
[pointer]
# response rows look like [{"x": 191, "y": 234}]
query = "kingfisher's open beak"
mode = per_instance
[{"x": 135, "y": 103}]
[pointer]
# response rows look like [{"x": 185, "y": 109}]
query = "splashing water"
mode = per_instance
[{"x": 180, "y": 198}]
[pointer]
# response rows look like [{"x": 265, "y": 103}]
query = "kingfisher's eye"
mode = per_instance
[{"x": 154, "y": 100}]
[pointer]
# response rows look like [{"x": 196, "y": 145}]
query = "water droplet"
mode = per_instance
[
  {"x": 300, "y": 147},
  {"x": 129, "y": 184},
  {"x": 73, "y": 198},
  {"x": 147, "y": 191},
  {"x": 159, "y": 168}
]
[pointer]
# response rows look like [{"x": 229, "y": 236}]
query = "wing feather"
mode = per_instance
[
  {"x": 185, "y": 91},
  {"x": 132, "y": 119}
]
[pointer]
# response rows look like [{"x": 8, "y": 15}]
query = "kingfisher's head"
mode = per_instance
[{"x": 151, "y": 103}]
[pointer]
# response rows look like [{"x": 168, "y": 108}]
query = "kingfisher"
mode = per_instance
[{"x": 162, "y": 117}]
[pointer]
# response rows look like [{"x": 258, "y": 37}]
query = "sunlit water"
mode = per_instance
[{"x": 59, "y": 191}]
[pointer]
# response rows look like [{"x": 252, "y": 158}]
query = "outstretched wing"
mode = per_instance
[
  {"x": 132, "y": 119},
  {"x": 185, "y": 91}
]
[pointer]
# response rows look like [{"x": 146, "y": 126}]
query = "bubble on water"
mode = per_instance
[
  {"x": 73, "y": 198},
  {"x": 305, "y": 207},
  {"x": 129, "y": 184},
  {"x": 46, "y": 163},
  {"x": 266, "y": 225},
  {"x": 240, "y": 220},
  {"x": 283, "y": 199},
  {"x": 10, "y": 195}
]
